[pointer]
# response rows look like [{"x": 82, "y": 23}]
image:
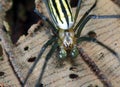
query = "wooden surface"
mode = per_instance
[{"x": 28, "y": 47}]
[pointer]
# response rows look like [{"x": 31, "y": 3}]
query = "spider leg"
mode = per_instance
[
  {"x": 48, "y": 8},
  {"x": 100, "y": 43},
  {"x": 84, "y": 22},
  {"x": 104, "y": 16},
  {"x": 52, "y": 50},
  {"x": 54, "y": 30},
  {"x": 85, "y": 15},
  {"x": 49, "y": 42},
  {"x": 78, "y": 9}
]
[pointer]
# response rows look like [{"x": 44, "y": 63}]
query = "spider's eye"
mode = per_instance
[
  {"x": 62, "y": 54},
  {"x": 74, "y": 52}
]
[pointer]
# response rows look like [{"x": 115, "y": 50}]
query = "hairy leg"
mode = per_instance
[
  {"x": 78, "y": 9},
  {"x": 85, "y": 15},
  {"x": 52, "y": 50},
  {"x": 89, "y": 39},
  {"x": 85, "y": 21},
  {"x": 53, "y": 28},
  {"x": 49, "y": 42}
]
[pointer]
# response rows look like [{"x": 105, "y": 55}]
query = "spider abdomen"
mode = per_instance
[{"x": 61, "y": 14}]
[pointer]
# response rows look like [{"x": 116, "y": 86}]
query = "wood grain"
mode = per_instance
[{"x": 107, "y": 32}]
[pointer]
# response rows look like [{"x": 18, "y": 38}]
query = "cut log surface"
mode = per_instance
[{"x": 80, "y": 75}]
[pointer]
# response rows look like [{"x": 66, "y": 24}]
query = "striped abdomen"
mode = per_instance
[{"x": 61, "y": 13}]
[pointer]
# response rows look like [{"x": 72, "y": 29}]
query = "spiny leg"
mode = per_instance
[
  {"x": 53, "y": 28},
  {"x": 78, "y": 9},
  {"x": 84, "y": 22},
  {"x": 85, "y": 15},
  {"x": 100, "y": 43},
  {"x": 54, "y": 47},
  {"x": 91, "y": 64},
  {"x": 49, "y": 42}
]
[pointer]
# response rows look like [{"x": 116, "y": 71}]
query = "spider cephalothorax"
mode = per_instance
[
  {"x": 66, "y": 32},
  {"x": 67, "y": 43}
]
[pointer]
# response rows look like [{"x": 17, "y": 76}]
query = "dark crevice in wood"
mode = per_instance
[
  {"x": 73, "y": 76},
  {"x": 26, "y": 48},
  {"x": 2, "y": 73},
  {"x": 32, "y": 59}
]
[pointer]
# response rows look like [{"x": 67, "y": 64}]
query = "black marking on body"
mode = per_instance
[
  {"x": 56, "y": 9},
  {"x": 69, "y": 9},
  {"x": 53, "y": 15},
  {"x": 65, "y": 12}
]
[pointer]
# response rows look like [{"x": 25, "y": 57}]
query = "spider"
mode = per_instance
[{"x": 66, "y": 35}]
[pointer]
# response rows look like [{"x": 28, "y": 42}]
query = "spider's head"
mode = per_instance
[
  {"x": 67, "y": 38},
  {"x": 67, "y": 42}
]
